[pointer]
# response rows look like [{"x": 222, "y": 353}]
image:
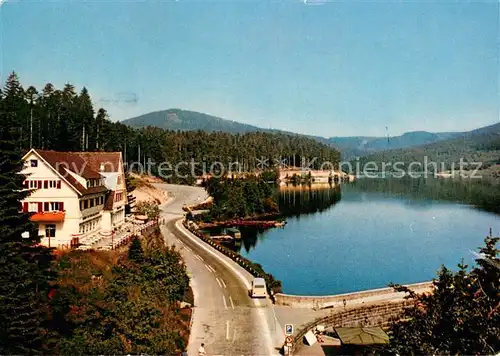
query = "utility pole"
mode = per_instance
[
  {"x": 83, "y": 138},
  {"x": 31, "y": 125},
  {"x": 125, "y": 153}
]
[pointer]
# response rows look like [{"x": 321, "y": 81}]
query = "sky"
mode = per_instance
[{"x": 327, "y": 68}]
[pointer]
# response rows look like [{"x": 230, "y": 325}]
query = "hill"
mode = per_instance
[
  {"x": 185, "y": 120},
  {"x": 350, "y": 147},
  {"x": 364, "y": 145},
  {"x": 480, "y": 145}
]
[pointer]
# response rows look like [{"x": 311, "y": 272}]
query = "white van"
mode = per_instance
[{"x": 259, "y": 289}]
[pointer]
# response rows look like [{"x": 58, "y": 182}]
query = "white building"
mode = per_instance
[{"x": 74, "y": 194}]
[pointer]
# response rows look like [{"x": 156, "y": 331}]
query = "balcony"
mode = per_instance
[{"x": 48, "y": 217}]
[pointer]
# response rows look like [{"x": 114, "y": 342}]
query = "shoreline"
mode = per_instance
[{"x": 257, "y": 221}]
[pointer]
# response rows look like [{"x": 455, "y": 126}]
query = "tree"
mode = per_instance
[
  {"x": 84, "y": 121},
  {"x": 135, "y": 252},
  {"x": 461, "y": 316},
  {"x": 151, "y": 210},
  {"x": 25, "y": 268}
]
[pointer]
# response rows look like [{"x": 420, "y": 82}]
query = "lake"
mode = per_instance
[{"x": 367, "y": 234}]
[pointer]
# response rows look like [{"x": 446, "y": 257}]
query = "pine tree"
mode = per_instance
[
  {"x": 25, "y": 268},
  {"x": 84, "y": 121},
  {"x": 460, "y": 316},
  {"x": 99, "y": 129},
  {"x": 135, "y": 251},
  {"x": 14, "y": 106}
]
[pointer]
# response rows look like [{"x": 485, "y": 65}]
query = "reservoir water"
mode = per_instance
[{"x": 359, "y": 237}]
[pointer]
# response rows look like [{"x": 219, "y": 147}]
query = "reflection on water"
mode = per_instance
[
  {"x": 483, "y": 193},
  {"x": 375, "y": 232},
  {"x": 293, "y": 201},
  {"x": 307, "y": 199}
]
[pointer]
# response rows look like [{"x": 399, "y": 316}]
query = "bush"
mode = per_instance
[{"x": 151, "y": 210}]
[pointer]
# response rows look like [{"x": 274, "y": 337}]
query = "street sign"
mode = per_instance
[
  {"x": 289, "y": 340},
  {"x": 288, "y": 329}
]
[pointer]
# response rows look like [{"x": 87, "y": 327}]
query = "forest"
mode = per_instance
[
  {"x": 65, "y": 120},
  {"x": 75, "y": 302},
  {"x": 250, "y": 196},
  {"x": 482, "y": 145}
]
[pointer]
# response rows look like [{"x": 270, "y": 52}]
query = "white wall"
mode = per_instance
[
  {"x": 65, "y": 194},
  {"x": 106, "y": 221}
]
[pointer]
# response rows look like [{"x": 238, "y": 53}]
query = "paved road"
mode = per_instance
[{"x": 226, "y": 319}]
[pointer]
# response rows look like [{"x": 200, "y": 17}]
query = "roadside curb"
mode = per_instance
[
  {"x": 251, "y": 267},
  {"x": 226, "y": 260}
]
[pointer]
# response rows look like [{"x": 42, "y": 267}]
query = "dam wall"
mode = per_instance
[{"x": 356, "y": 298}]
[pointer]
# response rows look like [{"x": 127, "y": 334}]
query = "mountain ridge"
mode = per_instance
[
  {"x": 481, "y": 145},
  {"x": 350, "y": 146}
]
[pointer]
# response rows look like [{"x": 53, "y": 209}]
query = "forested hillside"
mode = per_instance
[
  {"x": 481, "y": 145},
  {"x": 350, "y": 147},
  {"x": 62, "y": 119},
  {"x": 186, "y": 120},
  {"x": 358, "y": 146}
]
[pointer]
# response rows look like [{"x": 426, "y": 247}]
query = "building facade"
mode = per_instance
[{"x": 74, "y": 194}]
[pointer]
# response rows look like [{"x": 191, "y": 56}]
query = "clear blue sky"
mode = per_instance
[{"x": 336, "y": 69}]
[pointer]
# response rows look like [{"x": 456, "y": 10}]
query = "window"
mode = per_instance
[
  {"x": 34, "y": 163},
  {"x": 45, "y": 184},
  {"x": 53, "y": 184},
  {"x": 54, "y": 206},
  {"x": 50, "y": 230},
  {"x": 85, "y": 204},
  {"x": 33, "y": 207},
  {"x": 102, "y": 200},
  {"x": 33, "y": 184},
  {"x": 91, "y": 203}
]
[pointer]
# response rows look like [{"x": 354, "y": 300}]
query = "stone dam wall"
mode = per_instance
[
  {"x": 369, "y": 315},
  {"x": 356, "y": 298}
]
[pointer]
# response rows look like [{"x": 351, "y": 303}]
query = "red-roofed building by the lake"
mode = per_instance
[{"x": 74, "y": 194}]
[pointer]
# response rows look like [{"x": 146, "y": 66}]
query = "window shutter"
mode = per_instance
[
  {"x": 46, "y": 206},
  {"x": 45, "y": 184},
  {"x": 61, "y": 206},
  {"x": 58, "y": 184},
  {"x": 40, "y": 207},
  {"x": 25, "y": 207},
  {"x": 39, "y": 184},
  {"x": 26, "y": 184}
]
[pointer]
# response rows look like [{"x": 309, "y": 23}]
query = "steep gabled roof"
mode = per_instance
[
  {"x": 110, "y": 199},
  {"x": 84, "y": 164}
]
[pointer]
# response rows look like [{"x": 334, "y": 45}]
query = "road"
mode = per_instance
[{"x": 225, "y": 318}]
